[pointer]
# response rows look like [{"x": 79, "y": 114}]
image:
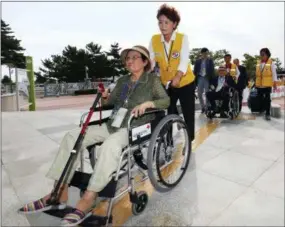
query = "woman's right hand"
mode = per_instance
[{"x": 105, "y": 94}]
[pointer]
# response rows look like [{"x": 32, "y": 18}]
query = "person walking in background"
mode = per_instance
[
  {"x": 266, "y": 78},
  {"x": 170, "y": 50},
  {"x": 232, "y": 70},
  {"x": 204, "y": 72},
  {"x": 242, "y": 82}
]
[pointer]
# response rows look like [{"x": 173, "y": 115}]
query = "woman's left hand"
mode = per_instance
[
  {"x": 176, "y": 79},
  {"x": 274, "y": 86},
  {"x": 140, "y": 109}
]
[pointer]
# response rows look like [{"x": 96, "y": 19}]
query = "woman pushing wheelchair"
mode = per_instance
[{"x": 133, "y": 94}]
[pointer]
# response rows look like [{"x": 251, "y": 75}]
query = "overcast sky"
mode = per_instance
[{"x": 46, "y": 28}]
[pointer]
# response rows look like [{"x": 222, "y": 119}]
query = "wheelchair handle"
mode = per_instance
[{"x": 168, "y": 84}]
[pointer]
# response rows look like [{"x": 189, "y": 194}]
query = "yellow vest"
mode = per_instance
[
  {"x": 264, "y": 76},
  {"x": 233, "y": 71},
  {"x": 168, "y": 70}
]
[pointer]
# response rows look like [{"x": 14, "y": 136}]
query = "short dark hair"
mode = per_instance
[
  {"x": 227, "y": 55},
  {"x": 204, "y": 49},
  {"x": 266, "y": 51},
  {"x": 170, "y": 12}
]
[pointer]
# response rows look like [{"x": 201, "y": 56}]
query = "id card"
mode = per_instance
[{"x": 119, "y": 117}]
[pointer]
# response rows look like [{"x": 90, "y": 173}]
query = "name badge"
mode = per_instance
[{"x": 119, "y": 117}]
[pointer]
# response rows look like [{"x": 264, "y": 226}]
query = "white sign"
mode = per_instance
[
  {"x": 143, "y": 130},
  {"x": 22, "y": 73},
  {"x": 23, "y": 81}
]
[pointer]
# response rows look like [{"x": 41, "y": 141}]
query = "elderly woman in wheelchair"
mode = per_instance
[
  {"x": 138, "y": 119},
  {"x": 223, "y": 96}
]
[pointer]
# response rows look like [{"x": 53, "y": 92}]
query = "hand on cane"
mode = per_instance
[{"x": 105, "y": 94}]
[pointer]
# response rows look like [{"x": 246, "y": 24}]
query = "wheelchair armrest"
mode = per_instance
[
  {"x": 98, "y": 122},
  {"x": 147, "y": 111},
  {"x": 153, "y": 110},
  {"x": 106, "y": 107}
]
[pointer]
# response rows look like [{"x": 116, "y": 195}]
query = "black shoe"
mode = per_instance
[
  {"x": 203, "y": 110},
  {"x": 223, "y": 115},
  {"x": 267, "y": 117}
]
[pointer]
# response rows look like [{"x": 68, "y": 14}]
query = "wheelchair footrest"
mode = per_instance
[
  {"x": 96, "y": 221},
  {"x": 93, "y": 220},
  {"x": 59, "y": 213}
]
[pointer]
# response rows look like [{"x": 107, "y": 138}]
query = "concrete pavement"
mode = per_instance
[{"x": 236, "y": 176}]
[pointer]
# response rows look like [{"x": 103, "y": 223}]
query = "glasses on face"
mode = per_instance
[
  {"x": 262, "y": 54},
  {"x": 132, "y": 58}
]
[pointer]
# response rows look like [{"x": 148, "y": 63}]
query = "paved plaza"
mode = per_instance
[{"x": 235, "y": 178}]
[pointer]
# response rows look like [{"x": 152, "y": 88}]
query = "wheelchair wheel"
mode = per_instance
[
  {"x": 168, "y": 153},
  {"x": 234, "y": 105},
  {"x": 138, "y": 208},
  {"x": 210, "y": 114}
]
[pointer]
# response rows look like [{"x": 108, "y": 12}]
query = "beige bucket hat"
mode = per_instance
[{"x": 141, "y": 49}]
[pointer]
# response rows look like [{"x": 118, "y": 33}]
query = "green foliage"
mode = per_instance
[
  {"x": 11, "y": 49},
  {"x": 117, "y": 67},
  {"x": 278, "y": 64},
  {"x": 217, "y": 56},
  {"x": 249, "y": 63},
  {"x": 73, "y": 64}
]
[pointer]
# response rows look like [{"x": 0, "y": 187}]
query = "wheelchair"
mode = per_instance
[
  {"x": 166, "y": 153},
  {"x": 232, "y": 111}
]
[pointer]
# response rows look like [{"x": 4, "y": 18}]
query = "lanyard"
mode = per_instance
[
  {"x": 127, "y": 91},
  {"x": 262, "y": 68},
  {"x": 168, "y": 55}
]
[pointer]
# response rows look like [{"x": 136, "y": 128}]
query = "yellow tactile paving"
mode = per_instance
[{"x": 122, "y": 210}]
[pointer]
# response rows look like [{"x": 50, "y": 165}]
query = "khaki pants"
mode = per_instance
[{"x": 108, "y": 155}]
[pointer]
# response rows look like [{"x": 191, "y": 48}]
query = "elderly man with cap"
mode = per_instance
[
  {"x": 218, "y": 89},
  {"x": 133, "y": 94}
]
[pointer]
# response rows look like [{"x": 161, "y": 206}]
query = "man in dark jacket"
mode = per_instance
[
  {"x": 204, "y": 72},
  {"x": 242, "y": 81}
]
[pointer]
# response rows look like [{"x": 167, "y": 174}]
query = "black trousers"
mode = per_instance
[
  {"x": 212, "y": 96},
  {"x": 265, "y": 98},
  {"x": 240, "y": 95},
  {"x": 186, "y": 96}
]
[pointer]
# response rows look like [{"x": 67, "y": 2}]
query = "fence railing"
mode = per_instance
[{"x": 59, "y": 89}]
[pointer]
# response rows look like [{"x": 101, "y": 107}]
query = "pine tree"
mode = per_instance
[
  {"x": 278, "y": 64},
  {"x": 118, "y": 68},
  {"x": 11, "y": 49}
]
